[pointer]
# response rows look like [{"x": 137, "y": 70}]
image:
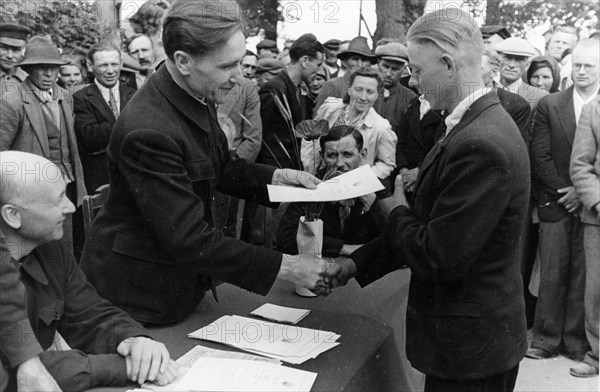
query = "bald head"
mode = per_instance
[{"x": 25, "y": 176}]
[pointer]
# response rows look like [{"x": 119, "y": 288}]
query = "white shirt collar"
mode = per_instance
[
  {"x": 105, "y": 91},
  {"x": 459, "y": 111},
  {"x": 514, "y": 86}
]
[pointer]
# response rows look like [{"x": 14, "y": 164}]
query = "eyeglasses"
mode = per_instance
[{"x": 587, "y": 67}]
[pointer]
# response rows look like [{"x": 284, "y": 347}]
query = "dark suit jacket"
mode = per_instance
[
  {"x": 417, "y": 136},
  {"x": 22, "y": 128},
  {"x": 466, "y": 313},
  {"x": 153, "y": 244},
  {"x": 393, "y": 108},
  {"x": 93, "y": 124},
  {"x": 551, "y": 144},
  {"x": 519, "y": 110},
  {"x": 278, "y": 148}
]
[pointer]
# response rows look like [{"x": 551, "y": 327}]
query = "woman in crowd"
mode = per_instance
[
  {"x": 356, "y": 109},
  {"x": 544, "y": 73},
  {"x": 72, "y": 73}
]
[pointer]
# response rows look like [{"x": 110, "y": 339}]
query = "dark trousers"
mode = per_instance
[{"x": 503, "y": 382}]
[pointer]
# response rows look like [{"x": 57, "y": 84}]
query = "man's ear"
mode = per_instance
[
  {"x": 304, "y": 60},
  {"x": 363, "y": 155},
  {"x": 450, "y": 64},
  {"x": 183, "y": 62},
  {"x": 11, "y": 215}
]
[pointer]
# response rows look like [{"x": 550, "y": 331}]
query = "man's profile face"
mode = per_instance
[
  {"x": 45, "y": 209},
  {"x": 311, "y": 67},
  {"x": 560, "y": 42},
  {"x": 342, "y": 154},
  {"x": 391, "y": 71},
  {"x": 249, "y": 67},
  {"x": 10, "y": 55},
  {"x": 106, "y": 66},
  {"x": 43, "y": 76},
  {"x": 428, "y": 73},
  {"x": 512, "y": 67},
  {"x": 141, "y": 50},
  {"x": 214, "y": 75}
]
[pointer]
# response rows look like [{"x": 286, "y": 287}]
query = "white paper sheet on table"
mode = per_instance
[
  {"x": 282, "y": 314},
  {"x": 187, "y": 360},
  {"x": 355, "y": 183},
  {"x": 287, "y": 343}
]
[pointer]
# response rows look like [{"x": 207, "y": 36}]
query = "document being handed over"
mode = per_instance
[{"x": 355, "y": 183}]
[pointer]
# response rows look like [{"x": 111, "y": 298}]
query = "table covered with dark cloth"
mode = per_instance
[{"x": 370, "y": 356}]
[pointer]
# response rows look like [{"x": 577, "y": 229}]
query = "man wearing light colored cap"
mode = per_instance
[
  {"x": 392, "y": 58},
  {"x": 515, "y": 55},
  {"x": 267, "y": 49},
  {"x": 12, "y": 41},
  {"x": 358, "y": 54},
  {"x": 267, "y": 69},
  {"x": 39, "y": 119}
]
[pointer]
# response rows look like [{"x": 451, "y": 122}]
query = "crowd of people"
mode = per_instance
[{"x": 487, "y": 144}]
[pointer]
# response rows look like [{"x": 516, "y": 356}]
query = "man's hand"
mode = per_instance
[
  {"x": 305, "y": 271},
  {"x": 347, "y": 249},
  {"x": 162, "y": 378},
  {"x": 148, "y": 358},
  {"x": 294, "y": 178},
  {"x": 340, "y": 272},
  {"x": 409, "y": 177},
  {"x": 367, "y": 201},
  {"x": 387, "y": 205},
  {"x": 32, "y": 376},
  {"x": 570, "y": 200}
]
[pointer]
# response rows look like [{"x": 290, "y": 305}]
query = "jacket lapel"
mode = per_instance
[
  {"x": 125, "y": 95},
  {"x": 414, "y": 121},
  {"x": 95, "y": 97},
  {"x": 34, "y": 114},
  {"x": 566, "y": 115}
]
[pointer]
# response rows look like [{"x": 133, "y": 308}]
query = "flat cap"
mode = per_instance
[
  {"x": 332, "y": 44},
  {"x": 488, "y": 31},
  {"x": 267, "y": 44},
  {"x": 13, "y": 35},
  {"x": 515, "y": 46},
  {"x": 393, "y": 51},
  {"x": 269, "y": 65}
]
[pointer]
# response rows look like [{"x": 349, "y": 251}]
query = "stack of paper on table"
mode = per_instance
[
  {"x": 287, "y": 343},
  {"x": 206, "y": 369},
  {"x": 280, "y": 313}
]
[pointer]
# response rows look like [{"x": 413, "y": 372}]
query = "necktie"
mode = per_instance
[{"x": 113, "y": 103}]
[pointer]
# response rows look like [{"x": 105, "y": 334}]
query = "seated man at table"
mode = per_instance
[
  {"x": 108, "y": 347},
  {"x": 347, "y": 224}
]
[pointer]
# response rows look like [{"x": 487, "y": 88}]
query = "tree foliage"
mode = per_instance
[
  {"x": 523, "y": 16},
  {"x": 70, "y": 24},
  {"x": 261, "y": 14}
]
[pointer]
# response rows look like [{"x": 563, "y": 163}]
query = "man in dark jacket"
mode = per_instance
[
  {"x": 465, "y": 322},
  {"x": 87, "y": 342},
  {"x": 97, "y": 107},
  {"x": 346, "y": 225},
  {"x": 153, "y": 248}
]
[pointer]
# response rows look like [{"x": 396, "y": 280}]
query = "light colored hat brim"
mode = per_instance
[
  {"x": 13, "y": 42},
  {"x": 394, "y": 58},
  {"x": 45, "y": 61}
]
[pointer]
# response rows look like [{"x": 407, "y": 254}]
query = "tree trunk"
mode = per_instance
[
  {"x": 492, "y": 12},
  {"x": 394, "y": 17}
]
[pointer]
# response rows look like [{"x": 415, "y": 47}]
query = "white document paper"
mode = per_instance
[
  {"x": 282, "y": 314},
  {"x": 221, "y": 374},
  {"x": 288, "y": 343},
  {"x": 187, "y": 360},
  {"x": 355, "y": 183}
]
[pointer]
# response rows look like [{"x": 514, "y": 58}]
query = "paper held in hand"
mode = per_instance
[{"x": 355, "y": 183}]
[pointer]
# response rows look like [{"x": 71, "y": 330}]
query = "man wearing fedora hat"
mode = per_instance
[
  {"x": 12, "y": 41},
  {"x": 357, "y": 55},
  {"x": 39, "y": 119}
]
